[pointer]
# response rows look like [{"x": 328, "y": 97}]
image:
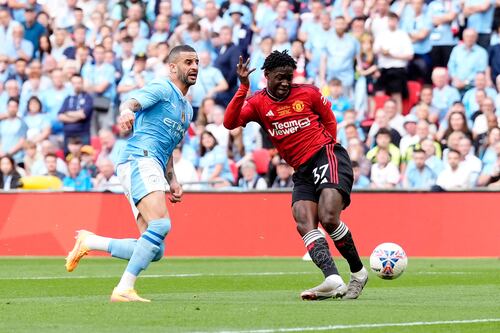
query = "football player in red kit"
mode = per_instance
[{"x": 301, "y": 125}]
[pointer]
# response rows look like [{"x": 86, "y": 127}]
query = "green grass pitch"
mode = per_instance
[{"x": 245, "y": 295}]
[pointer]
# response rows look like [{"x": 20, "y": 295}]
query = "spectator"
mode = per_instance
[
  {"x": 77, "y": 179},
  {"x": 111, "y": 146},
  {"x": 51, "y": 169},
  {"x": 367, "y": 71},
  {"x": 106, "y": 180},
  {"x": 490, "y": 175},
  {"x": 10, "y": 179},
  {"x": 87, "y": 155},
  {"x": 284, "y": 174},
  {"x": 418, "y": 175},
  {"x": 452, "y": 143},
  {"x": 216, "y": 127},
  {"x": 317, "y": 38},
  {"x": 340, "y": 103},
  {"x": 356, "y": 151},
  {"x": 281, "y": 42},
  {"x": 394, "y": 49},
  {"x": 38, "y": 123},
  {"x": 7, "y": 25},
  {"x": 383, "y": 120},
  {"x": 185, "y": 170},
  {"x": 76, "y": 112},
  {"x": 79, "y": 37},
  {"x": 349, "y": 129},
  {"x": 32, "y": 29},
  {"x": 383, "y": 141},
  {"x": 282, "y": 20},
  {"x": 250, "y": 179},
  {"x": 18, "y": 47},
  {"x": 13, "y": 132},
  {"x": 379, "y": 19},
  {"x": 466, "y": 60},
  {"x": 479, "y": 16},
  {"x": 338, "y": 57},
  {"x": 235, "y": 146},
  {"x": 481, "y": 123},
  {"x": 134, "y": 79},
  {"x": 456, "y": 122},
  {"x": 494, "y": 62},
  {"x": 212, "y": 22},
  {"x": 53, "y": 98},
  {"x": 411, "y": 137},
  {"x": 470, "y": 97},
  {"x": 226, "y": 61},
  {"x": 214, "y": 164},
  {"x": 99, "y": 82},
  {"x": 419, "y": 25},
  {"x": 242, "y": 34},
  {"x": 443, "y": 95},
  {"x": 487, "y": 151},
  {"x": 312, "y": 21},
  {"x": 454, "y": 176},
  {"x": 384, "y": 175},
  {"x": 360, "y": 180},
  {"x": 210, "y": 82},
  {"x": 31, "y": 155},
  {"x": 469, "y": 160},
  {"x": 443, "y": 13},
  {"x": 11, "y": 91},
  {"x": 431, "y": 159}
]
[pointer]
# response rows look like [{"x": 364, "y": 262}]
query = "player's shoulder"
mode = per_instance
[{"x": 256, "y": 96}]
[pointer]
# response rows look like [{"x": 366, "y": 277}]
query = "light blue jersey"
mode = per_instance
[{"x": 161, "y": 123}]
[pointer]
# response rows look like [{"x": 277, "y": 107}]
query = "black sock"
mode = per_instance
[
  {"x": 342, "y": 238},
  {"x": 317, "y": 246}
]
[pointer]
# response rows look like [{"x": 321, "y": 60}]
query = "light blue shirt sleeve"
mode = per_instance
[{"x": 151, "y": 94}]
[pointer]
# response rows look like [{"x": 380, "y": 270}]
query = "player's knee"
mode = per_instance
[
  {"x": 160, "y": 226},
  {"x": 160, "y": 253}
]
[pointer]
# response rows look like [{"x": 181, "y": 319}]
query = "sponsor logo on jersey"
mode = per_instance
[
  {"x": 298, "y": 106},
  {"x": 288, "y": 127},
  {"x": 284, "y": 110},
  {"x": 270, "y": 113}
]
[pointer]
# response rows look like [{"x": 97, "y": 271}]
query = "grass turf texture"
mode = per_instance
[{"x": 38, "y": 295}]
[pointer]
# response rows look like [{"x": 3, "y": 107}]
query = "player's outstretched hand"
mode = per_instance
[
  {"x": 176, "y": 191},
  {"x": 243, "y": 71},
  {"x": 126, "y": 120}
]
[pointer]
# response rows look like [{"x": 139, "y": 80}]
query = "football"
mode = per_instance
[{"x": 388, "y": 261}]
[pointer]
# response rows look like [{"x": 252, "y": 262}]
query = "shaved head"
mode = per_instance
[{"x": 174, "y": 54}]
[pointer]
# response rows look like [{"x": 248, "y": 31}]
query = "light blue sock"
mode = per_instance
[
  {"x": 148, "y": 246},
  {"x": 122, "y": 248}
]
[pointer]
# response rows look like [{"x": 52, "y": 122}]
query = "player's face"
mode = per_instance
[
  {"x": 187, "y": 68},
  {"x": 279, "y": 81}
]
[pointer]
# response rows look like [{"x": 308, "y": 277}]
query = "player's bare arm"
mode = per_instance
[
  {"x": 127, "y": 110},
  {"x": 175, "y": 187},
  {"x": 243, "y": 70}
]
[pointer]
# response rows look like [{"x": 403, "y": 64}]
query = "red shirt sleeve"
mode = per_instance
[
  {"x": 239, "y": 111},
  {"x": 324, "y": 108}
]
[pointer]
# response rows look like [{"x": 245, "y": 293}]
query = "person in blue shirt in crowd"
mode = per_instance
[
  {"x": 53, "y": 98},
  {"x": 159, "y": 115},
  {"x": 418, "y": 25},
  {"x": 13, "y": 132},
  {"x": 78, "y": 180},
  {"x": 340, "y": 103},
  {"x": 466, "y": 60},
  {"x": 214, "y": 163},
  {"x": 418, "y": 175},
  {"x": 479, "y": 14},
  {"x": 360, "y": 180},
  {"x": 33, "y": 30},
  {"x": 442, "y": 13}
]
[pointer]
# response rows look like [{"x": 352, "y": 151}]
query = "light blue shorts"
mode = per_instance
[{"x": 139, "y": 177}]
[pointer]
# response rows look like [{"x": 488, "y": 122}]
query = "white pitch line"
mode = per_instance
[
  {"x": 154, "y": 275},
  {"x": 356, "y": 326}
]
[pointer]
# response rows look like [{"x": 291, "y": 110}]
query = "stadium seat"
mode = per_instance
[
  {"x": 234, "y": 170},
  {"x": 261, "y": 159},
  {"x": 379, "y": 100},
  {"x": 414, "y": 89},
  {"x": 95, "y": 142}
]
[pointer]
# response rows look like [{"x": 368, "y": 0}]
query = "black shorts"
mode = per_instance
[
  {"x": 393, "y": 80},
  {"x": 330, "y": 167}
]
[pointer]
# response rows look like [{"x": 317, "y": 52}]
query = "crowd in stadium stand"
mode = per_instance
[{"x": 414, "y": 86}]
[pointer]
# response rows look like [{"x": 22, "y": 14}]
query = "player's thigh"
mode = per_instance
[{"x": 153, "y": 206}]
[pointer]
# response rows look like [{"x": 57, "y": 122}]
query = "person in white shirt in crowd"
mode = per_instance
[
  {"x": 250, "y": 179},
  {"x": 411, "y": 137},
  {"x": 485, "y": 115},
  {"x": 394, "y": 49},
  {"x": 384, "y": 175},
  {"x": 185, "y": 170},
  {"x": 216, "y": 127},
  {"x": 106, "y": 180},
  {"x": 455, "y": 176},
  {"x": 469, "y": 160}
]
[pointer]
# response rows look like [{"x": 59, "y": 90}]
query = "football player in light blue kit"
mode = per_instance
[{"x": 159, "y": 115}]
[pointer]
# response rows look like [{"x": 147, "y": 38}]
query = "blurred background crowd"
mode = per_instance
[{"x": 414, "y": 85}]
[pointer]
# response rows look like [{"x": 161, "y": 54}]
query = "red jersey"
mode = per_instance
[{"x": 298, "y": 126}]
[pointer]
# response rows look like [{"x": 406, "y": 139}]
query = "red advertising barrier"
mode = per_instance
[{"x": 256, "y": 224}]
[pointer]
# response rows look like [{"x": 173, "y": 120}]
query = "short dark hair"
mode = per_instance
[
  {"x": 418, "y": 150},
  {"x": 335, "y": 82},
  {"x": 13, "y": 99},
  {"x": 278, "y": 59},
  {"x": 174, "y": 53},
  {"x": 383, "y": 131},
  {"x": 50, "y": 155},
  {"x": 393, "y": 15},
  {"x": 451, "y": 150},
  {"x": 354, "y": 164}
]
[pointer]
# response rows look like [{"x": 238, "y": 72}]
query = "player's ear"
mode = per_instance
[{"x": 173, "y": 67}]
